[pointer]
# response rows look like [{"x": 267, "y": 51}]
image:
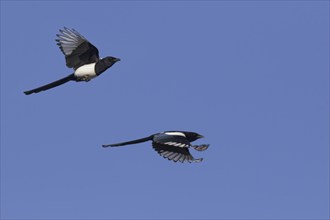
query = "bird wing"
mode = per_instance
[
  {"x": 77, "y": 49},
  {"x": 51, "y": 85},
  {"x": 174, "y": 148}
]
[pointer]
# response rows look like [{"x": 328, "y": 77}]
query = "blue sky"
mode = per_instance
[{"x": 251, "y": 76}]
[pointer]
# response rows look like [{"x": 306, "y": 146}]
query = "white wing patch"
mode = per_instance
[
  {"x": 176, "y": 144},
  {"x": 175, "y": 134}
]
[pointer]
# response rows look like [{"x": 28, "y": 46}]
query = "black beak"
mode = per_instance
[
  {"x": 117, "y": 59},
  {"x": 200, "y": 136}
]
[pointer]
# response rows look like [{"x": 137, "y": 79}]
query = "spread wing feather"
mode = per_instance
[
  {"x": 77, "y": 49},
  {"x": 68, "y": 40},
  {"x": 174, "y": 153}
]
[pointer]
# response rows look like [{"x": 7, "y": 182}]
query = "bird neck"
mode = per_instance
[{"x": 101, "y": 66}]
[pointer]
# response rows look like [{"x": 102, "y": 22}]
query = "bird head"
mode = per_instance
[
  {"x": 109, "y": 61},
  {"x": 192, "y": 136}
]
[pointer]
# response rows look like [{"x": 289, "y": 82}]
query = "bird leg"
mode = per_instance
[{"x": 201, "y": 147}]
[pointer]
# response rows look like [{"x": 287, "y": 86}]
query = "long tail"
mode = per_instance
[
  {"x": 51, "y": 85},
  {"x": 129, "y": 142}
]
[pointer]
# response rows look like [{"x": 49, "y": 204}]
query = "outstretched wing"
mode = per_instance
[
  {"x": 77, "y": 49},
  {"x": 174, "y": 148}
]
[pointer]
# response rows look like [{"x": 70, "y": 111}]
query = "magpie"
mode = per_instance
[
  {"x": 172, "y": 145},
  {"x": 80, "y": 55}
]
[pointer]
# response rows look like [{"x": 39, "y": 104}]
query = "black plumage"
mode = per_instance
[
  {"x": 172, "y": 145},
  {"x": 80, "y": 55}
]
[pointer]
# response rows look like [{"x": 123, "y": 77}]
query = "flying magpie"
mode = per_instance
[
  {"x": 172, "y": 145},
  {"x": 80, "y": 55}
]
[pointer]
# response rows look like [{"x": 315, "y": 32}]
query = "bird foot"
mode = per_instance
[
  {"x": 196, "y": 160},
  {"x": 201, "y": 147}
]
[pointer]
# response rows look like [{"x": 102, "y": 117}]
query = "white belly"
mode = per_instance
[{"x": 86, "y": 72}]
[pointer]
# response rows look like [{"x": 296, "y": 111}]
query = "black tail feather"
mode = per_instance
[
  {"x": 129, "y": 142},
  {"x": 51, "y": 85}
]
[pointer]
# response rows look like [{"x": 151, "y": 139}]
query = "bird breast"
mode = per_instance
[{"x": 85, "y": 72}]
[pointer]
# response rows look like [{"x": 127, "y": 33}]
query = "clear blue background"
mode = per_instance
[{"x": 251, "y": 76}]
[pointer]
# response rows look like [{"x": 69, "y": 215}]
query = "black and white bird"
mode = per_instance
[
  {"x": 173, "y": 145},
  {"x": 80, "y": 55}
]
